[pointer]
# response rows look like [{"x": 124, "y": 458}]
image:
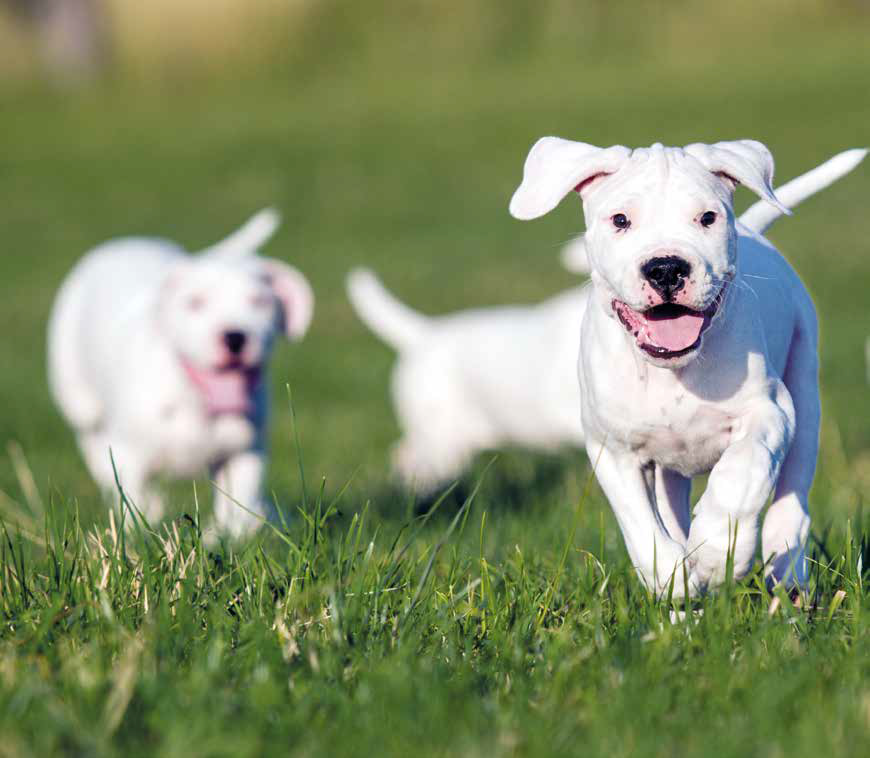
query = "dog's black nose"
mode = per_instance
[
  {"x": 666, "y": 275},
  {"x": 235, "y": 341}
]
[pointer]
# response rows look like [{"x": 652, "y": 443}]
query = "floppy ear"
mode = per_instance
[
  {"x": 556, "y": 166},
  {"x": 294, "y": 294},
  {"x": 744, "y": 161}
]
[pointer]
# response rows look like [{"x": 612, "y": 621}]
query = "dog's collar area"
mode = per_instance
[
  {"x": 666, "y": 331},
  {"x": 225, "y": 390}
]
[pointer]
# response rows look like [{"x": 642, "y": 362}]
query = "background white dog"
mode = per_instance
[
  {"x": 491, "y": 377},
  {"x": 698, "y": 353},
  {"x": 160, "y": 357}
]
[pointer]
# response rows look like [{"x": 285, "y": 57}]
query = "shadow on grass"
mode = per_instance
[{"x": 516, "y": 481}]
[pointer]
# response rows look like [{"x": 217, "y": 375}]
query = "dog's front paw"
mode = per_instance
[
  {"x": 712, "y": 558},
  {"x": 669, "y": 570},
  {"x": 722, "y": 542},
  {"x": 236, "y": 522}
]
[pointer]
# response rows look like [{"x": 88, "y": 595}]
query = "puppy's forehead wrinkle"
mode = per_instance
[
  {"x": 659, "y": 154},
  {"x": 663, "y": 175},
  {"x": 622, "y": 202},
  {"x": 660, "y": 161}
]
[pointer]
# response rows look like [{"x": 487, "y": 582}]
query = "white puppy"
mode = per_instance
[
  {"x": 160, "y": 357},
  {"x": 698, "y": 353},
  {"x": 492, "y": 377}
]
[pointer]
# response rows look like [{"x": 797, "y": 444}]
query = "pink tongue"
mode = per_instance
[
  {"x": 676, "y": 332},
  {"x": 223, "y": 391},
  {"x": 226, "y": 392}
]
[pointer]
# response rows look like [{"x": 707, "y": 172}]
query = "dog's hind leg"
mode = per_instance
[
  {"x": 441, "y": 430},
  {"x": 423, "y": 465},
  {"x": 787, "y": 523},
  {"x": 672, "y": 501}
]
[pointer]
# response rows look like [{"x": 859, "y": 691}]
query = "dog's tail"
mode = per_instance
[
  {"x": 393, "y": 321},
  {"x": 761, "y": 215},
  {"x": 758, "y": 217},
  {"x": 248, "y": 238}
]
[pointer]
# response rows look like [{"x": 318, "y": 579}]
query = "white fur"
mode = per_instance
[{"x": 128, "y": 319}]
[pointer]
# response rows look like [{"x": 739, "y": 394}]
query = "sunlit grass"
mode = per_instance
[{"x": 337, "y": 633}]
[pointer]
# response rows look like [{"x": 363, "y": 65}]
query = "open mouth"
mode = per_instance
[
  {"x": 667, "y": 330},
  {"x": 226, "y": 389}
]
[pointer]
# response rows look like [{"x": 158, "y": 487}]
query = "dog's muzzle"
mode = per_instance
[
  {"x": 667, "y": 330},
  {"x": 225, "y": 389}
]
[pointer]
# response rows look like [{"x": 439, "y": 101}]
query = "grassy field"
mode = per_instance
[{"x": 508, "y": 621}]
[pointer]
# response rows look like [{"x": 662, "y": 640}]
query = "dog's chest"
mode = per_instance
[
  {"x": 684, "y": 435},
  {"x": 191, "y": 441}
]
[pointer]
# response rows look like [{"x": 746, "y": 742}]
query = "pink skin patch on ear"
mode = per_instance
[
  {"x": 588, "y": 180},
  {"x": 727, "y": 177}
]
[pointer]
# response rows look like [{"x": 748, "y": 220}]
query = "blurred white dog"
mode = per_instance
[
  {"x": 491, "y": 377},
  {"x": 698, "y": 354},
  {"x": 160, "y": 357}
]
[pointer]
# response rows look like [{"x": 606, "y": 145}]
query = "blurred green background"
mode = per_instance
[{"x": 392, "y": 134}]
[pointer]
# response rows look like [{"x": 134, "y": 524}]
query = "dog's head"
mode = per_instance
[
  {"x": 660, "y": 235},
  {"x": 221, "y": 311}
]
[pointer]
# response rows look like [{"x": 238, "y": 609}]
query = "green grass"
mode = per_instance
[
  {"x": 348, "y": 635},
  {"x": 507, "y": 624}
]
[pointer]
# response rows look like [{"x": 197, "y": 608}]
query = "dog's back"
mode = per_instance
[{"x": 519, "y": 365}]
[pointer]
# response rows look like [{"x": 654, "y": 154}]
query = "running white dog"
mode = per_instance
[
  {"x": 159, "y": 357},
  {"x": 490, "y": 377},
  {"x": 698, "y": 353}
]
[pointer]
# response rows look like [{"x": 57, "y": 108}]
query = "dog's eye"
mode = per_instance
[
  {"x": 196, "y": 302},
  {"x": 620, "y": 221},
  {"x": 708, "y": 218}
]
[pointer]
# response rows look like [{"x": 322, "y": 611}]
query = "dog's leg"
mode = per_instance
[
  {"x": 95, "y": 449},
  {"x": 630, "y": 487},
  {"x": 440, "y": 429},
  {"x": 149, "y": 502},
  {"x": 239, "y": 482},
  {"x": 672, "y": 501},
  {"x": 424, "y": 466},
  {"x": 105, "y": 460},
  {"x": 726, "y": 516},
  {"x": 138, "y": 489},
  {"x": 787, "y": 523}
]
